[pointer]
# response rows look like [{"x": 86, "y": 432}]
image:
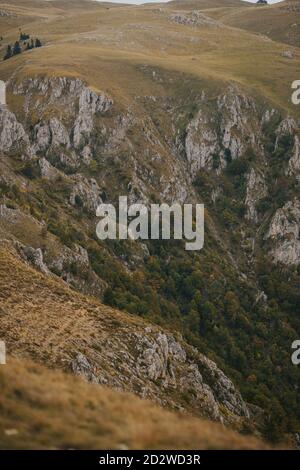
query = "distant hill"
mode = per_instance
[{"x": 280, "y": 21}]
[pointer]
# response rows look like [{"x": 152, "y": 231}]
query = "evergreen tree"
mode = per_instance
[
  {"x": 8, "y": 53},
  {"x": 17, "y": 48},
  {"x": 38, "y": 43},
  {"x": 24, "y": 36}
]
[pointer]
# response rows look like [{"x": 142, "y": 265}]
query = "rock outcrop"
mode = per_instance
[
  {"x": 294, "y": 162},
  {"x": 211, "y": 142},
  {"x": 161, "y": 368},
  {"x": 194, "y": 18},
  {"x": 256, "y": 190},
  {"x": 201, "y": 143},
  {"x": 239, "y": 122},
  {"x": 34, "y": 257},
  {"x": 85, "y": 193},
  {"x": 284, "y": 233},
  {"x": 89, "y": 104},
  {"x": 73, "y": 98},
  {"x": 12, "y": 133}
]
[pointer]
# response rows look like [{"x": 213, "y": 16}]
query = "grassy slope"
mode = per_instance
[
  {"x": 46, "y": 320},
  {"x": 105, "y": 46},
  {"x": 206, "y": 4},
  {"x": 275, "y": 21},
  {"x": 46, "y": 413},
  {"x": 42, "y": 319}
]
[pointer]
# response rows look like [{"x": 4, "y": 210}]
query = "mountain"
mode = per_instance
[{"x": 178, "y": 102}]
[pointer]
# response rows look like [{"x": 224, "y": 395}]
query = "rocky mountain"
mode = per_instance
[{"x": 165, "y": 103}]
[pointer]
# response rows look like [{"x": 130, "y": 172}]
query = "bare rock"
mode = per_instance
[
  {"x": 12, "y": 133},
  {"x": 194, "y": 18},
  {"x": 294, "y": 162},
  {"x": 256, "y": 190},
  {"x": 201, "y": 143},
  {"x": 34, "y": 256},
  {"x": 284, "y": 233},
  {"x": 47, "y": 170},
  {"x": 287, "y": 54},
  {"x": 81, "y": 366},
  {"x": 85, "y": 192}
]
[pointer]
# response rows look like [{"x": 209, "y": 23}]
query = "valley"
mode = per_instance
[{"x": 185, "y": 102}]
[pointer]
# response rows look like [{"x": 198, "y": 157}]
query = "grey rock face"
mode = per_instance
[
  {"x": 73, "y": 266},
  {"x": 297, "y": 440},
  {"x": 59, "y": 134},
  {"x": 194, "y": 18},
  {"x": 49, "y": 134},
  {"x": 223, "y": 388},
  {"x": 256, "y": 190},
  {"x": 12, "y": 133},
  {"x": 159, "y": 367},
  {"x": 81, "y": 366},
  {"x": 294, "y": 162},
  {"x": 287, "y": 54},
  {"x": 238, "y": 125},
  {"x": 35, "y": 257},
  {"x": 89, "y": 104},
  {"x": 87, "y": 155},
  {"x": 201, "y": 143},
  {"x": 47, "y": 170},
  {"x": 284, "y": 232},
  {"x": 85, "y": 192},
  {"x": 11, "y": 215},
  {"x": 83, "y": 127},
  {"x": 231, "y": 128},
  {"x": 286, "y": 127},
  {"x": 68, "y": 257},
  {"x": 73, "y": 96},
  {"x": 69, "y": 160},
  {"x": 42, "y": 137}
]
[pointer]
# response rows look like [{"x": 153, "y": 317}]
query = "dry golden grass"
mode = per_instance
[
  {"x": 43, "y": 319},
  {"x": 49, "y": 409},
  {"x": 275, "y": 21},
  {"x": 107, "y": 46}
]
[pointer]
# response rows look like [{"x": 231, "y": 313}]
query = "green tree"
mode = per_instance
[
  {"x": 17, "y": 48},
  {"x": 8, "y": 53}
]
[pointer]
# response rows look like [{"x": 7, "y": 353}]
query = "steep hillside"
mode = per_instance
[
  {"x": 163, "y": 103},
  {"x": 43, "y": 320},
  {"x": 95, "y": 417}
]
